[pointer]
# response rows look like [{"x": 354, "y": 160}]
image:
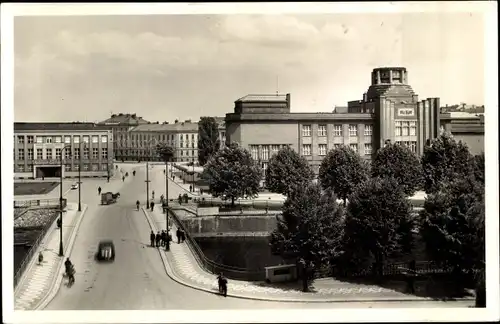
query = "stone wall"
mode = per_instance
[{"x": 226, "y": 224}]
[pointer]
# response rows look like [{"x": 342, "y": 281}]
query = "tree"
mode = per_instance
[
  {"x": 398, "y": 162},
  {"x": 208, "y": 141},
  {"x": 165, "y": 152},
  {"x": 232, "y": 173},
  {"x": 452, "y": 225},
  {"x": 287, "y": 170},
  {"x": 444, "y": 160},
  {"x": 478, "y": 167},
  {"x": 341, "y": 171},
  {"x": 378, "y": 223},
  {"x": 309, "y": 230}
]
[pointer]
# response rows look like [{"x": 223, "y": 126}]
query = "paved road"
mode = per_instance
[{"x": 137, "y": 279}]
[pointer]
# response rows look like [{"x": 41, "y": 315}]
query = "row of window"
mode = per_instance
[
  {"x": 266, "y": 149},
  {"x": 162, "y": 137},
  {"x": 337, "y": 130},
  {"x": 48, "y": 154},
  {"x": 405, "y": 128},
  {"x": 323, "y": 149},
  {"x": 67, "y": 167},
  {"x": 58, "y": 139}
]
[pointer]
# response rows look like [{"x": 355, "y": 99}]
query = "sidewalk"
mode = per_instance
[
  {"x": 182, "y": 266},
  {"x": 39, "y": 279}
]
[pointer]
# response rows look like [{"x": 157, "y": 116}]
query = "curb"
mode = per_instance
[
  {"x": 58, "y": 277},
  {"x": 171, "y": 273}
]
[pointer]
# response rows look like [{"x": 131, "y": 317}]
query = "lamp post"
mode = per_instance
[
  {"x": 61, "y": 249},
  {"x": 80, "y": 178},
  {"x": 147, "y": 171},
  {"x": 193, "y": 175}
]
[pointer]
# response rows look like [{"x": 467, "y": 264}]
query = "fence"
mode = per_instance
[
  {"x": 38, "y": 203},
  {"x": 36, "y": 244},
  {"x": 216, "y": 268},
  {"x": 240, "y": 204}
]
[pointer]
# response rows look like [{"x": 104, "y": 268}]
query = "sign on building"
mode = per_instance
[{"x": 406, "y": 112}]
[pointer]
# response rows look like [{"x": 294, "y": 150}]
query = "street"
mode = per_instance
[{"x": 137, "y": 279}]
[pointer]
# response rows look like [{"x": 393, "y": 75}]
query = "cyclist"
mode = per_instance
[{"x": 138, "y": 204}]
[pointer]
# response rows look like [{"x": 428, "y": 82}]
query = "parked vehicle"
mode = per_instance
[{"x": 74, "y": 186}]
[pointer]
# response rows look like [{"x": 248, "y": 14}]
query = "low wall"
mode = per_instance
[
  {"x": 207, "y": 211},
  {"x": 224, "y": 224}
]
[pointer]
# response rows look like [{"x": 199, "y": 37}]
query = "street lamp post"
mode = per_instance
[
  {"x": 80, "y": 179},
  {"x": 61, "y": 248},
  {"x": 147, "y": 172}
]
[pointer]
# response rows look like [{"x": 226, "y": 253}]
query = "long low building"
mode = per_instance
[
  {"x": 39, "y": 148},
  {"x": 389, "y": 111}
]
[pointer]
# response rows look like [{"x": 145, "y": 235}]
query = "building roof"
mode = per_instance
[
  {"x": 176, "y": 127},
  {"x": 49, "y": 126},
  {"x": 294, "y": 117},
  {"x": 263, "y": 97},
  {"x": 389, "y": 90},
  {"x": 124, "y": 119},
  {"x": 462, "y": 115}
]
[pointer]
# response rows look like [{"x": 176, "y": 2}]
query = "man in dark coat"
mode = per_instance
[
  {"x": 152, "y": 237},
  {"x": 163, "y": 238},
  {"x": 183, "y": 236},
  {"x": 158, "y": 239}
]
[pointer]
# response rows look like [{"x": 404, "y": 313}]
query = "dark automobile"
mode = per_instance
[{"x": 105, "y": 251}]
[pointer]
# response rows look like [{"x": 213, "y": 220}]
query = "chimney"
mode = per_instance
[
  {"x": 176, "y": 121},
  {"x": 288, "y": 104},
  {"x": 134, "y": 115}
]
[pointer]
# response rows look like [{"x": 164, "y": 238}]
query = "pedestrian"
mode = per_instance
[
  {"x": 173, "y": 177},
  {"x": 99, "y": 190},
  {"x": 163, "y": 238},
  {"x": 178, "y": 234},
  {"x": 152, "y": 237},
  {"x": 158, "y": 238},
  {"x": 153, "y": 194},
  {"x": 179, "y": 199},
  {"x": 40, "y": 258},
  {"x": 152, "y": 205},
  {"x": 123, "y": 178},
  {"x": 411, "y": 276},
  {"x": 183, "y": 236},
  {"x": 59, "y": 222},
  {"x": 190, "y": 188}
]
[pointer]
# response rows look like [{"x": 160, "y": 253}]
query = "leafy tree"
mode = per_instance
[
  {"x": 309, "y": 230},
  {"x": 342, "y": 170},
  {"x": 287, "y": 170},
  {"x": 378, "y": 223},
  {"x": 452, "y": 225},
  {"x": 398, "y": 162},
  {"x": 232, "y": 173},
  {"x": 165, "y": 152},
  {"x": 478, "y": 167},
  {"x": 443, "y": 161},
  {"x": 208, "y": 142}
]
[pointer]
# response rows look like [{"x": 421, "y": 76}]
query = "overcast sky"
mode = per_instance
[{"x": 186, "y": 66}]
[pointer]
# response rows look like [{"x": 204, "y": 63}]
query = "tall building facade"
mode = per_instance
[
  {"x": 39, "y": 148},
  {"x": 389, "y": 111}
]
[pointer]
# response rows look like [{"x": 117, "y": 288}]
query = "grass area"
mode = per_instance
[{"x": 33, "y": 188}]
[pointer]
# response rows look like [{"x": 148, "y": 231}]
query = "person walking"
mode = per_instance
[
  {"x": 158, "y": 239},
  {"x": 152, "y": 238},
  {"x": 183, "y": 236},
  {"x": 99, "y": 190},
  {"x": 152, "y": 205},
  {"x": 163, "y": 238},
  {"x": 178, "y": 234}
]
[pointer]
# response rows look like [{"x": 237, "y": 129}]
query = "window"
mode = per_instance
[
  {"x": 104, "y": 153},
  {"x": 274, "y": 149},
  {"x": 322, "y": 130},
  {"x": 368, "y": 130},
  {"x": 85, "y": 167},
  {"x": 95, "y": 139},
  {"x": 30, "y": 154},
  {"x": 368, "y": 148},
  {"x": 306, "y": 149},
  {"x": 30, "y": 139},
  {"x": 20, "y": 154},
  {"x": 30, "y": 168},
  {"x": 76, "y": 154},
  {"x": 192, "y": 137},
  {"x": 322, "y": 149},
  {"x": 398, "y": 128},
  {"x": 20, "y": 139},
  {"x": 306, "y": 130},
  {"x": 95, "y": 152},
  {"x": 265, "y": 152},
  {"x": 354, "y": 147},
  {"x": 337, "y": 130},
  {"x": 182, "y": 137},
  {"x": 254, "y": 150},
  {"x": 76, "y": 167},
  {"x": 413, "y": 128},
  {"x": 406, "y": 128},
  {"x": 58, "y": 153},
  {"x": 104, "y": 167},
  {"x": 76, "y": 139},
  {"x": 353, "y": 131},
  {"x": 48, "y": 140},
  {"x": 67, "y": 139},
  {"x": 67, "y": 167},
  {"x": 336, "y": 146},
  {"x": 39, "y": 139},
  {"x": 182, "y": 145},
  {"x": 20, "y": 168},
  {"x": 67, "y": 154},
  {"x": 58, "y": 139},
  {"x": 413, "y": 146},
  {"x": 86, "y": 139},
  {"x": 86, "y": 152},
  {"x": 192, "y": 145},
  {"x": 95, "y": 167}
]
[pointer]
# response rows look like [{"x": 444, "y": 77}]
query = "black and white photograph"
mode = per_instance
[{"x": 271, "y": 162}]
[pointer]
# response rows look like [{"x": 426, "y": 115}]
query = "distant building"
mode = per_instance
[
  {"x": 39, "y": 147},
  {"x": 389, "y": 111}
]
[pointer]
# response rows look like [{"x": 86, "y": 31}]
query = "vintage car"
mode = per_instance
[
  {"x": 105, "y": 251},
  {"x": 74, "y": 186},
  {"x": 109, "y": 198}
]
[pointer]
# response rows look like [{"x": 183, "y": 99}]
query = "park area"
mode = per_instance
[{"x": 33, "y": 188}]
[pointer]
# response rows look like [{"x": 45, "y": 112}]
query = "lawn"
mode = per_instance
[{"x": 33, "y": 188}]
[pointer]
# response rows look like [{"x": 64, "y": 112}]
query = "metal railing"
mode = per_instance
[
  {"x": 239, "y": 204},
  {"x": 39, "y": 203},
  {"x": 402, "y": 268},
  {"x": 213, "y": 267},
  {"x": 29, "y": 256}
]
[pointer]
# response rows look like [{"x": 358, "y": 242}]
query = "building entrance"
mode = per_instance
[{"x": 48, "y": 172}]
